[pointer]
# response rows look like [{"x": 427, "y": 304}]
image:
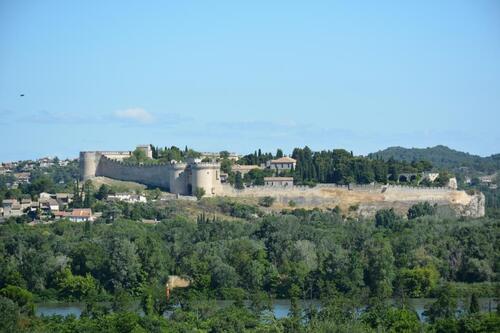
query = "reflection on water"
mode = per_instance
[{"x": 280, "y": 307}]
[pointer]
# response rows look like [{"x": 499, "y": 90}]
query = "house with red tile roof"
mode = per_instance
[{"x": 76, "y": 215}]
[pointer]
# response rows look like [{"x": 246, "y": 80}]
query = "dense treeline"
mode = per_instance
[
  {"x": 273, "y": 254},
  {"x": 340, "y": 166},
  {"x": 297, "y": 255}
]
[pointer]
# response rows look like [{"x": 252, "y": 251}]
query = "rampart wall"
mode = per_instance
[
  {"x": 302, "y": 189},
  {"x": 152, "y": 175},
  {"x": 178, "y": 178}
]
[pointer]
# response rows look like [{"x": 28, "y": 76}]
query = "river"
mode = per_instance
[{"x": 280, "y": 307}]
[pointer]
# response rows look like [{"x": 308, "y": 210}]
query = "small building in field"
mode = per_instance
[{"x": 278, "y": 181}]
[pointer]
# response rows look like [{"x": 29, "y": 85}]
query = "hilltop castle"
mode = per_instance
[
  {"x": 177, "y": 177},
  {"x": 184, "y": 178}
]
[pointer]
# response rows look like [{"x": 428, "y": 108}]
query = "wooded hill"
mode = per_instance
[{"x": 440, "y": 157}]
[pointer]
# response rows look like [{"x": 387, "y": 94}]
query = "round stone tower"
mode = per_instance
[
  {"x": 178, "y": 179},
  {"x": 89, "y": 160},
  {"x": 207, "y": 177}
]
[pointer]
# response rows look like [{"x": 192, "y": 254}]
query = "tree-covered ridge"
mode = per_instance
[
  {"x": 342, "y": 167},
  {"x": 441, "y": 157}
]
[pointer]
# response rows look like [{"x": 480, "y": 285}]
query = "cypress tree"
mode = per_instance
[{"x": 474, "y": 304}]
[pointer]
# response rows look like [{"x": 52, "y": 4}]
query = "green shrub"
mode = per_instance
[
  {"x": 421, "y": 209},
  {"x": 199, "y": 192},
  {"x": 266, "y": 201}
]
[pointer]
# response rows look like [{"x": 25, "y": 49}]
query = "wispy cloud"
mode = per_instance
[{"x": 136, "y": 115}]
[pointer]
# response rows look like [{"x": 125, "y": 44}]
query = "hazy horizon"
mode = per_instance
[{"x": 238, "y": 77}]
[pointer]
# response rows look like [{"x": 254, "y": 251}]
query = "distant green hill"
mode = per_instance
[{"x": 441, "y": 157}]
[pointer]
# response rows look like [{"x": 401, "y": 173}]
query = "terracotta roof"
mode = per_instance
[
  {"x": 62, "y": 214},
  {"x": 284, "y": 159},
  {"x": 80, "y": 212}
]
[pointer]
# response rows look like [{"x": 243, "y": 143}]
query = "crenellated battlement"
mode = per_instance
[
  {"x": 176, "y": 177},
  {"x": 140, "y": 165}
]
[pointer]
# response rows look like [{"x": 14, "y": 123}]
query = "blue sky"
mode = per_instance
[{"x": 217, "y": 75}]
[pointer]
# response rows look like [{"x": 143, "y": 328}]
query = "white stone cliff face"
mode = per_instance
[{"x": 475, "y": 208}]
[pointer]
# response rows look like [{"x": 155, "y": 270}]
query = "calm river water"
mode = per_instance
[{"x": 280, "y": 307}]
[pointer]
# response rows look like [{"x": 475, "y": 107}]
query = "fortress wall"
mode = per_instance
[
  {"x": 369, "y": 198},
  {"x": 151, "y": 175},
  {"x": 396, "y": 190}
]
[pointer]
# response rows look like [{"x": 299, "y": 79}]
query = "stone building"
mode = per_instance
[
  {"x": 11, "y": 207},
  {"x": 146, "y": 149},
  {"x": 282, "y": 163}
]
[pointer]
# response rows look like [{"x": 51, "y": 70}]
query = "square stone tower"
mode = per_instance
[{"x": 147, "y": 149}]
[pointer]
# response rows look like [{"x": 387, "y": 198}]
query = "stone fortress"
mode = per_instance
[
  {"x": 183, "y": 178},
  {"x": 176, "y": 177}
]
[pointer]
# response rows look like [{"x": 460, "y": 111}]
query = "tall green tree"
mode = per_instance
[{"x": 380, "y": 271}]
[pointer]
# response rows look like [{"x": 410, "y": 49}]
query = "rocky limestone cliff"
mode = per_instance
[{"x": 475, "y": 207}]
